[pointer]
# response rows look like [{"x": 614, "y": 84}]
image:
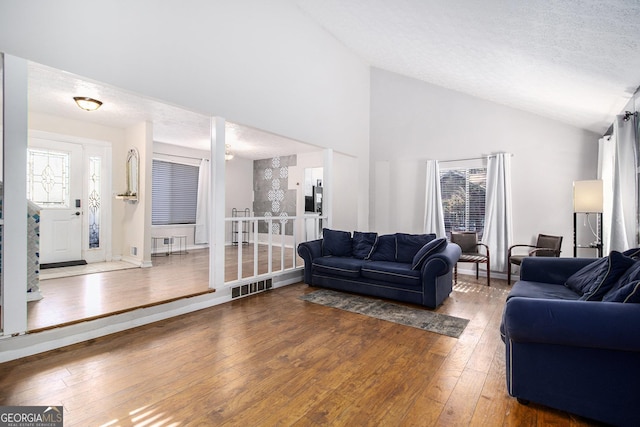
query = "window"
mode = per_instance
[
  {"x": 48, "y": 178},
  {"x": 174, "y": 194},
  {"x": 463, "y": 199},
  {"x": 94, "y": 201}
]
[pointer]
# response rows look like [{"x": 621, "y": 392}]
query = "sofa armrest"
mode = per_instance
[
  {"x": 550, "y": 269},
  {"x": 593, "y": 324},
  {"x": 308, "y": 251},
  {"x": 441, "y": 262}
]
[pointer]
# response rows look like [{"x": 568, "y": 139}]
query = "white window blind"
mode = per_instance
[
  {"x": 463, "y": 199},
  {"x": 174, "y": 193}
]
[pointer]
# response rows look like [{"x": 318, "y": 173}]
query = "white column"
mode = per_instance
[
  {"x": 14, "y": 230},
  {"x": 217, "y": 207}
]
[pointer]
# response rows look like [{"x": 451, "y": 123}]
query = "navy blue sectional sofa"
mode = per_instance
[
  {"x": 414, "y": 268},
  {"x": 571, "y": 328}
]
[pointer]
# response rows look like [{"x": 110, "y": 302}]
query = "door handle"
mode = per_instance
[{"x": 76, "y": 214}]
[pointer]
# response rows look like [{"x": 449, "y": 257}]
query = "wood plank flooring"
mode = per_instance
[
  {"x": 77, "y": 298},
  {"x": 272, "y": 359}
]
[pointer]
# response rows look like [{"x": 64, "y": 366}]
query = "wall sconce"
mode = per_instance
[
  {"x": 228, "y": 155},
  {"x": 86, "y": 103}
]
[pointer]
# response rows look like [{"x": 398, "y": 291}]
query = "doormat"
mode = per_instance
[
  {"x": 62, "y": 264},
  {"x": 415, "y": 317}
]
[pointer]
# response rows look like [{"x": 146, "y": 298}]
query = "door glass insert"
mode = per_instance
[
  {"x": 48, "y": 178},
  {"x": 94, "y": 202}
]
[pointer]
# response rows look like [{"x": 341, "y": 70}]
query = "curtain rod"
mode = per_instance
[
  {"x": 177, "y": 155},
  {"x": 469, "y": 158}
]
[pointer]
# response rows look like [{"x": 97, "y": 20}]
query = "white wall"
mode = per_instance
[
  {"x": 262, "y": 64},
  {"x": 239, "y": 189},
  {"x": 412, "y": 121},
  {"x": 137, "y": 215}
]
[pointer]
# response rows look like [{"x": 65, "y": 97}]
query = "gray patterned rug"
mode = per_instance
[{"x": 416, "y": 317}]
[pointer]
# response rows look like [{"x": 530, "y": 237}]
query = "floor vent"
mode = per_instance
[{"x": 251, "y": 288}]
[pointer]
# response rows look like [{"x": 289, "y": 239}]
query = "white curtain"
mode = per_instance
[
  {"x": 433, "y": 213},
  {"x": 202, "y": 208},
  {"x": 621, "y": 222},
  {"x": 606, "y": 157},
  {"x": 498, "y": 221}
]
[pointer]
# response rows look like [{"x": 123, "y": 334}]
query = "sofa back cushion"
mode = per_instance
[
  {"x": 363, "y": 244},
  {"x": 408, "y": 245},
  {"x": 385, "y": 249},
  {"x": 433, "y": 247},
  {"x": 627, "y": 293},
  {"x": 632, "y": 253},
  {"x": 593, "y": 281},
  {"x": 631, "y": 275},
  {"x": 336, "y": 243}
]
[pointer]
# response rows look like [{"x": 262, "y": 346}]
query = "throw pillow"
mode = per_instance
[
  {"x": 336, "y": 243},
  {"x": 593, "y": 281},
  {"x": 385, "y": 249},
  {"x": 408, "y": 245},
  {"x": 363, "y": 244},
  {"x": 631, "y": 275},
  {"x": 433, "y": 247},
  {"x": 628, "y": 293},
  {"x": 632, "y": 253}
]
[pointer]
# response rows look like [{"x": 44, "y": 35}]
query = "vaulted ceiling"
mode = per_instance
[{"x": 576, "y": 61}]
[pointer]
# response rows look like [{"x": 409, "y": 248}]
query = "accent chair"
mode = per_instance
[
  {"x": 468, "y": 242},
  {"x": 546, "y": 246}
]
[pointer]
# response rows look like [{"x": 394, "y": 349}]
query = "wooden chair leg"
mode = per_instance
[
  {"x": 477, "y": 270},
  {"x": 455, "y": 274},
  {"x": 508, "y": 272}
]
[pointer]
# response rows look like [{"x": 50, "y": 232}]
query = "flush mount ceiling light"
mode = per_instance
[
  {"x": 228, "y": 155},
  {"x": 88, "y": 104}
]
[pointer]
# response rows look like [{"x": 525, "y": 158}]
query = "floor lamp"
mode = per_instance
[{"x": 587, "y": 199}]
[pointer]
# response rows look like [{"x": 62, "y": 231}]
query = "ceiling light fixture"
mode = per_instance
[
  {"x": 228, "y": 155},
  {"x": 86, "y": 103}
]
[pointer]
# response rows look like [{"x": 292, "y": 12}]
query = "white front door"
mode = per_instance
[{"x": 54, "y": 183}]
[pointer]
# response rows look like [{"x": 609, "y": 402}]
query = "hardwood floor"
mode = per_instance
[
  {"x": 77, "y": 298},
  {"x": 272, "y": 359}
]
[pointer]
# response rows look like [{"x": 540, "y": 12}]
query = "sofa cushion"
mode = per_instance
[
  {"x": 593, "y": 281},
  {"x": 385, "y": 249},
  {"x": 526, "y": 289},
  {"x": 631, "y": 275},
  {"x": 338, "y": 266},
  {"x": 433, "y": 247},
  {"x": 392, "y": 272},
  {"x": 627, "y": 293},
  {"x": 336, "y": 243},
  {"x": 408, "y": 245},
  {"x": 632, "y": 253},
  {"x": 363, "y": 244}
]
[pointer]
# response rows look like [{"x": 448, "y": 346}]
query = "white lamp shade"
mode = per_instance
[{"x": 587, "y": 196}]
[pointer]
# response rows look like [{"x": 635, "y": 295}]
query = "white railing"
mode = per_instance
[{"x": 303, "y": 228}]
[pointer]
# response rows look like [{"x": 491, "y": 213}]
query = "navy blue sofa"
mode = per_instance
[
  {"x": 571, "y": 328},
  {"x": 403, "y": 267}
]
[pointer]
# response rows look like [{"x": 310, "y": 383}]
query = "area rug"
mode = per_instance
[{"x": 415, "y": 317}]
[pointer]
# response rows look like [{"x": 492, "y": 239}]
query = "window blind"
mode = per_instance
[
  {"x": 174, "y": 193},
  {"x": 463, "y": 199}
]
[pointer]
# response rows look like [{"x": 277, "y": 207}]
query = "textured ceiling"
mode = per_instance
[
  {"x": 576, "y": 61},
  {"x": 51, "y": 91}
]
